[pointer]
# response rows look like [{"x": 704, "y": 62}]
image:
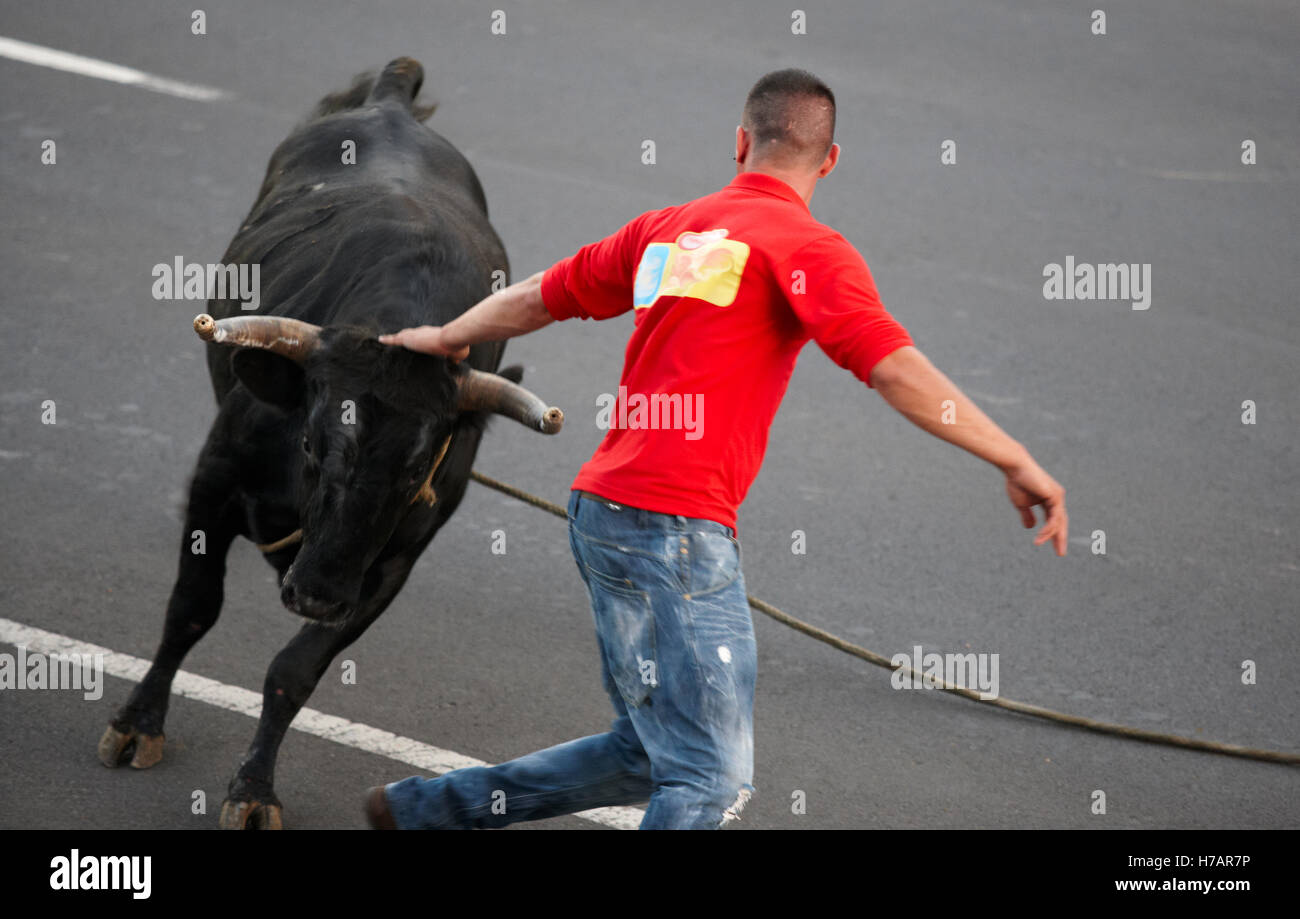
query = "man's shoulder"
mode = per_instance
[
  {"x": 774, "y": 227},
  {"x": 812, "y": 239}
]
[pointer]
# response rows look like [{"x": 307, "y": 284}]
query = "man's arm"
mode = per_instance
[
  {"x": 907, "y": 380},
  {"x": 511, "y": 311}
]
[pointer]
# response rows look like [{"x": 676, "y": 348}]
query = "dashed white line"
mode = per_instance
[
  {"x": 42, "y": 56},
  {"x": 422, "y": 756}
]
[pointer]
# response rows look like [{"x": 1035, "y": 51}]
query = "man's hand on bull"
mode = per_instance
[
  {"x": 427, "y": 339},
  {"x": 510, "y": 311}
]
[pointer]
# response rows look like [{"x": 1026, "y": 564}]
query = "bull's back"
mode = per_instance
[{"x": 365, "y": 189}]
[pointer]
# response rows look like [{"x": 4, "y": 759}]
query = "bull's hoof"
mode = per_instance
[
  {"x": 141, "y": 750},
  {"x": 251, "y": 815}
]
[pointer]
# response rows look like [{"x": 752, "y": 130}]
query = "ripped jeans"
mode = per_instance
[{"x": 678, "y": 661}]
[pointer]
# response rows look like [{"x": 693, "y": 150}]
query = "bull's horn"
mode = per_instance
[
  {"x": 289, "y": 338},
  {"x": 492, "y": 393}
]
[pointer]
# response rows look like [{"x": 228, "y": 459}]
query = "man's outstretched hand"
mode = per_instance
[
  {"x": 919, "y": 391},
  {"x": 427, "y": 339},
  {"x": 1028, "y": 486}
]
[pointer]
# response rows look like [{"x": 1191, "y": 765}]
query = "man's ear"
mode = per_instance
[
  {"x": 828, "y": 164},
  {"x": 742, "y": 148},
  {"x": 269, "y": 377}
]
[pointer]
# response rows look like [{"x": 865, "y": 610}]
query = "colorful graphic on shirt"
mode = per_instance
[{"x": 705, "y": 265}]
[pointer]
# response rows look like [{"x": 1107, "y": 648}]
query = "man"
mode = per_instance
[{"x": 726, "y": 291}]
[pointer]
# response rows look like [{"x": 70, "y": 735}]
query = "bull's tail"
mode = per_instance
[{"x": 400, "y": 81}]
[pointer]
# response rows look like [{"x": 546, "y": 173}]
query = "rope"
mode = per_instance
[
  {"x": 871, "y": 657},
  {"x": 426, "y": 492},
  {"x": 269, "y": 547}
]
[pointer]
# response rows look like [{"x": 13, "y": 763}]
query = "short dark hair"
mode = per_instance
[{"x": 790, "y": 115}]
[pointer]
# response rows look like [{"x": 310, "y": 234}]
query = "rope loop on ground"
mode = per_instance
[{"x": 871, "y": 657}]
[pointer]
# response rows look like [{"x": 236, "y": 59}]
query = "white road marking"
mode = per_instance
[
  {"x": 1244, "y": 174},
  {"x": 423, "y": 756},
  {"x": 102, "y": 70},
  {"x": 42, "y": 56}
]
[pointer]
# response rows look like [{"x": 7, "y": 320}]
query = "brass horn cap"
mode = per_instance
[{"x": 205, "y": 326}]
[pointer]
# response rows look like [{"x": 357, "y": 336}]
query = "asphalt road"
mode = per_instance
[{"x": 1123, "y": 147}]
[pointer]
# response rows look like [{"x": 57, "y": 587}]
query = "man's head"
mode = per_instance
[{"x": 788, "y": 129}]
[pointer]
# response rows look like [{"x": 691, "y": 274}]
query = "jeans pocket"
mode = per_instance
[
  {"x": 714, "y": 561},
  {"x": 625, "y": 627}
]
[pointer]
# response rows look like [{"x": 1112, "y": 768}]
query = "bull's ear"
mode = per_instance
[
  {"x": 269, "y": 377},
  {"x": 514, "y": 373}
]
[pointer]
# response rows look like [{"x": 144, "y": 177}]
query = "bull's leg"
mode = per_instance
[
  {"x": 251, "y": 802},
  {"x": 136, "y": 733}
]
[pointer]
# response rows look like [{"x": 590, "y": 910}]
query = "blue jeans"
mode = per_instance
[{"x": 678, "y": 661}]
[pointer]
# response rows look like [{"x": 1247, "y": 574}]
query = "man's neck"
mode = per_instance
[{"x": 803, "y": 183}]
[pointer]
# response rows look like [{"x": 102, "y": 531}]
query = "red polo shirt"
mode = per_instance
[{"x": 726, "y": 289}]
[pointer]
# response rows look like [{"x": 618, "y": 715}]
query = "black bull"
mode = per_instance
[{"x": 340, "y": 457}]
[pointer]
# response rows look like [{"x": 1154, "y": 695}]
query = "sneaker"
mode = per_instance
[{"x": 377, "y": 813}]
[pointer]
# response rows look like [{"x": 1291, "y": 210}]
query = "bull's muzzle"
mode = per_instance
[{"x": 310, "y": 603}]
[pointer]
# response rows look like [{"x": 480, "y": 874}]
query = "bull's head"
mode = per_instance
[{"x": 376, "y": 423}]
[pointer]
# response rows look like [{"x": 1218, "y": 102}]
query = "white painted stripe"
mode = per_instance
[
  {"x": 102, "y": 70},
  {"x": 1241, "y": 174},
  {"x": 423, "y": 756}
]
